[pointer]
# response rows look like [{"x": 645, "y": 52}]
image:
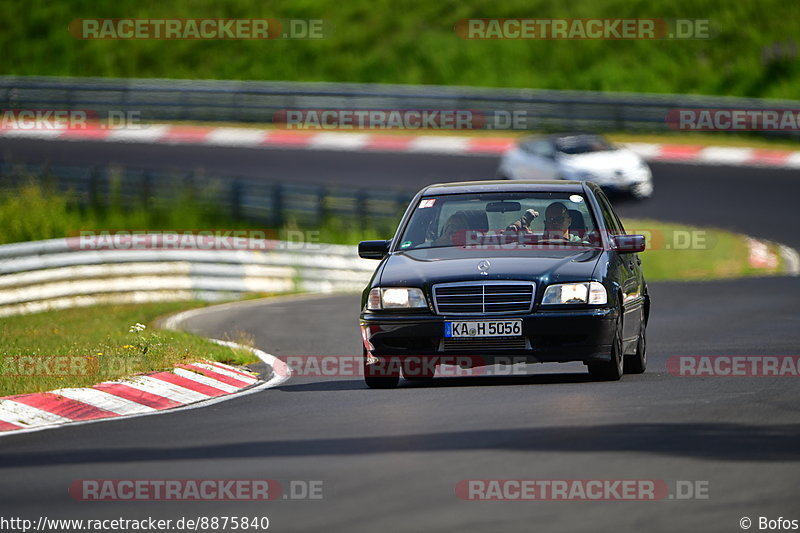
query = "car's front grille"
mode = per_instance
[
  {"x": 486, "y": 298},
  {"x": 469, "y": 345}
]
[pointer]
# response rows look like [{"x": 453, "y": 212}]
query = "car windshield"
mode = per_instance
[
  {"x": 582, "y": 144},
  {"x": 516, "y": 220}
]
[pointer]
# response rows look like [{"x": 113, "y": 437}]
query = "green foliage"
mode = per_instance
[
  {"x": 413, "y": 41},
  {"x": 36, "y": 211}
]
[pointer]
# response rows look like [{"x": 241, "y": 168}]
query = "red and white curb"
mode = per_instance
[
  {"x": 762, "y": 257},
  {"x": 376, "y": 142},
  {"x": 186, "y": 386}
]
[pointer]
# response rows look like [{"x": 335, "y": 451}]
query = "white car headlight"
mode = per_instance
[
  {"x": 395, "y": 298},
  {"x": 591, "y": 292}
]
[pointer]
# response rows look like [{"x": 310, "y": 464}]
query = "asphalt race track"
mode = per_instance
[{"x": 390, "y": 460}]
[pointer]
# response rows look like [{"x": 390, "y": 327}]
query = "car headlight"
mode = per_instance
[
  {"x": 591, "y": 292},
  {"x": 395, "y": 298}
]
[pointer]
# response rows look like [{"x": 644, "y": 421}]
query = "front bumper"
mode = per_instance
[
  {"x": 630, "y": 183},
  {"x": 552, "y": 336}
]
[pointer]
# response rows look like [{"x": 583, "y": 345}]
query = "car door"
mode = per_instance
[{"x": 629, "y": 276}]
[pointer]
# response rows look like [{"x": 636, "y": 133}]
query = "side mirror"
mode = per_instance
[
  {"x": 373, "y": 249},
  {"x": 628, "y": 244}
]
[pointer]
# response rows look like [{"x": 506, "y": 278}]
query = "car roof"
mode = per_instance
[
  {"x": 461, "y": 187},
  {"x": 553, "y": 137}
]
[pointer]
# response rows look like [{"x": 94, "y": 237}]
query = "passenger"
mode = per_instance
[
  {"x": 457, "y": 223},
  {"x": 523, "y": 223}
]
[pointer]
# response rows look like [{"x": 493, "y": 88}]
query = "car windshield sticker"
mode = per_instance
[
  {"x": 406, "y": 244},
  {"x": 576, "y": 198},
  {"x": 427, "y": 203}
]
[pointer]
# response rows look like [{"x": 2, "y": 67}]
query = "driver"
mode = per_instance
[{"x": 557, "y": 222}]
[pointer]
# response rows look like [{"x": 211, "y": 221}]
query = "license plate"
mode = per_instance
[{"x": 483, "y": 328}]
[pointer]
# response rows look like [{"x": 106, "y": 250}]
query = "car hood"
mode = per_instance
[
  {"x": 425, "y": 267},
  {"x": 611, "y": 160}
]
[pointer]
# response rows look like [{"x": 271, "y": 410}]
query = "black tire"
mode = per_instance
[
  {"x": 378, "y": 376},
  {"x": 637, "y": 363},
  {"x": 381, "y": 382},
  {"x": 612, "y": 370}
]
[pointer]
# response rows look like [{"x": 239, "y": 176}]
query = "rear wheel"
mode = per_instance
[
  {"x": 381, "y": 374},
  {"x": 611, "y": 370}
]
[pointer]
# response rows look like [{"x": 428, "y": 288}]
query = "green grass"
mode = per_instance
[
  {"x": 680, "y": 252},
  {"x": 101, "y": 335},
  {"x": 411, "y": 41},
  {"x": 36, "y": 211}
]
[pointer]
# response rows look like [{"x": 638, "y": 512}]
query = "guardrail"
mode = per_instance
[
  {"x": 57, "y": 273},
  {"x": 257, "y": 101}
]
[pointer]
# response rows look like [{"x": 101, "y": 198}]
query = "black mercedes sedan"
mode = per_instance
[{"x": 505, "y": 272}]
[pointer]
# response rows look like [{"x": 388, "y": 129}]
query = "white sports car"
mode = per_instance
[{"x": 578, "y": 157}]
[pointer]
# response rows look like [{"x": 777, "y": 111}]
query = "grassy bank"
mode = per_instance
[
  {"x": 36, "y": 211},
  {"x": 680, "y": 252},
  {"x": 96, "y": 344},
  {"x": 408, "y": 41}
]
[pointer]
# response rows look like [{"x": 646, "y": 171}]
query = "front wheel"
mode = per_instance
[
  {"x": 380, "y": 375},
  {"x": 642, "y": 191},
  {"x": 637, "y": 363},
  {"x": 611, "y": 370}
]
